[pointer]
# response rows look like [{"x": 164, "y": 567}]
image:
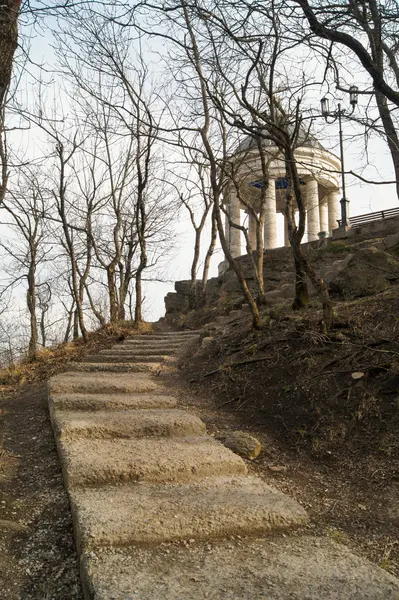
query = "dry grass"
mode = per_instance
[{"x": 53, "y": 360}]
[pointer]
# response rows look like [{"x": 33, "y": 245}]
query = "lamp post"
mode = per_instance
[{"x": 333, "y": 116}]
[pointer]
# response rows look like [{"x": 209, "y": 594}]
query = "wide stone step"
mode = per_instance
[
  {"x": 170, "y": 334},
  {"x": 157, "y": 339},
  {"x": 142, "y": 351},
  {"x": 111, "y": 357},
  {"x": 90, "y": 462},
  {"x": 155, "y": 343},
  {"x": 289, "y": 568},
  {"x": 126, "y": 424},
  {"x": 102, "y": 383},
  {"x": 113, "y": 367},
  {"x": 152, "y": 514},
  {"x": 112, "y": 402}
]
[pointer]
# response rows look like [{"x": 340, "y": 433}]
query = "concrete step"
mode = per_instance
[
  {"x": 155, "y": 347},
  {"x": 171, "y": 334},
  {"x": 110, "y": 356},
  {"x": 113, "y": 367},
  {"x": 111, "y": 402},
  {"x": 90, "y": 462},
  {"x": 171, "y": 343},
  {"x": 289, "y": 568},
  {"x": 102, "y": 383},
  {"x": 141, "y": 351},
  {"x": 152, "y": 514},
  {"x": 126, "y": 424},
  {"x": 181, "y": 339}
]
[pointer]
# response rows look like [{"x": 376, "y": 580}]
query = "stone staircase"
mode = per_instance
[{"x": 162, "y": 511}]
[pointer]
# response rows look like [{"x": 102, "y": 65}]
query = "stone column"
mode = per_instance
[
  {"x": 334, "y": 209},
  {"x": 252, "y": 231},
  {"x": 312, "y": 209},
  {"x": 235, "y": 234},
  {"x": 324, "y": 226},
  {"x": 270, "y": 228}
]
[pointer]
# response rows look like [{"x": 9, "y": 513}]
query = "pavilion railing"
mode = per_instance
[{"x": 376, "y": 216}]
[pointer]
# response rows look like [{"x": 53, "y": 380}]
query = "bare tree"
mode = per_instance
[
  {"x": 196, "y": 197},
  {"x": 369, "y": 30},
  {"x": 26, "y": 208},
  {"x": 240, "y": 79}
]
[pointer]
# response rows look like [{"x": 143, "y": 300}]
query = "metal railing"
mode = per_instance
[{"x": 376, "y": 216}]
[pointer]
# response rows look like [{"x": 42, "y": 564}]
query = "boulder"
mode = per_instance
[
  {"x": 284, "y": 292},
  {"x": 184, "y": 287},
  {"x": 175, "y": 303},
  {"x": 364, "y": 273}
]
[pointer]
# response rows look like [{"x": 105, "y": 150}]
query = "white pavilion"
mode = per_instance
[{"x": 319, "y": 172}]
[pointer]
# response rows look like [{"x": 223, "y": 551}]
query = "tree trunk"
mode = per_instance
[
  {"x": 96, "y": 312},
  {"x": 303, "y": 267},
  {"x": 301, "y": 287},
  {"x": 43, "y": 329},
  {"x": 8, "y": 43},
  {"x": 208, "y": 257},
  {"x": 75, "y": 324},
  {"x": 256, "y": 319},
  {"x": 138, "y": 310},
  {"x": 69, "y": 322},
  {"x": 390, "y": 132},
  {"x": 112, "y": 294},
  {"x": 31, "y": 302}
]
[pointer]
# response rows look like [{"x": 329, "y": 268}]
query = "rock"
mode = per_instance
[
  {"x": 284, "y": 292},
  {"x": 357, "y": 375},
  {"x": 207, "y": 341},
  {"x": 243, "y": 444},
  {"x": 390, "y": 241},
  {"x": 367, "y": 272},
  {"x": 175, "y": 303},
  {"x": 184, "y": 287}
]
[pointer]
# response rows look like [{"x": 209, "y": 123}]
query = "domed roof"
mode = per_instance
[{"x": 304, "y": 140}]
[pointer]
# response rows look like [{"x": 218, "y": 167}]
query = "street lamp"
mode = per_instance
[{"x": 333, "y": 116}]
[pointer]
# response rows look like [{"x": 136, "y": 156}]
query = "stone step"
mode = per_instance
[
  {"x": 102, "y": 383},
  {"x": 183, "y": 339},
  {"x": 219, "y": 507},
  {"x": 113, "y": 367},
  {"x": 289, "y": 568},
  {"x": 160, "y": 342},
  {"x": 110, "y": 356},
  {"x": 126, "y": 424},
  {"x": 154, "y": 349},
  {"x": 161, "y": 334},
  {"x": 90, "y": 462},
  {"x": 111, "y": 402},
  {"x": 139, "y": 351}
]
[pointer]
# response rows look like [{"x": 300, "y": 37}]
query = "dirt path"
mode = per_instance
[{"x": 37, "y": 553}]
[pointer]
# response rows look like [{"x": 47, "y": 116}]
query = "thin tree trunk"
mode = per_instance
[
  {"x": 112, "y": 294},
  {"x": 96, "y": 312},
  {"x": 75, "y": 324},
  {"x": 31, "y": 302},
  {"x": 302, "y": 264},
  {"x": 138, "y": 309},
  {"x": 69, "y": 322},
  {"x": 209, "y": 254}
]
